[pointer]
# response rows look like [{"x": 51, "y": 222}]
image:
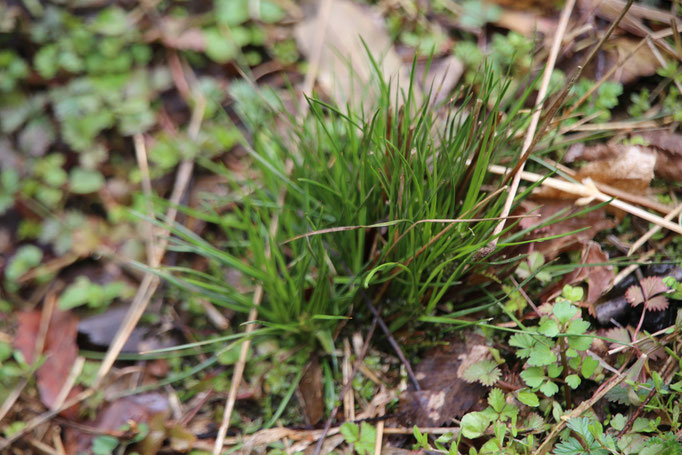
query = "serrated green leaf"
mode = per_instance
[
  {"x": 524, "y": 342},
  {"x": 496, "y": 400},
  {"x": 580, "y": 343},
  {"x": 577, "y": 327},
  {"x": 350, "y": 432},
  {"x": 485, "y": 371},
  {"x": 368, "y": 436}
]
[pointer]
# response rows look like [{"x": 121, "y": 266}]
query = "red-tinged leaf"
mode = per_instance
[
  {"x": 634, "y": 295},
  {"x": 658, "y": 303},
  {"x": 620, "y": 334},
  {"x": 60, "y": 352},
  {"x": 27, "y": 332},
  {"x": 653, "y": 285},
  {"x": 136, "y": 408}
]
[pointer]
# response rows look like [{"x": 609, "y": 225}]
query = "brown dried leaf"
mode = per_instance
[
  {"x": 668, "y": 147},
  {"x": 658, "y": 303},
  {"x": 60, "y": 351},
  {"x": 310, "y": 392},
  {"x": 599, "y": 277},
  {"x": 137, "y": 408},
  {"x": 642, "y": 64},
  {"x": 645, "y": 292},
  {"x": 595, "y": 221},
  {"x": 345, "y": 70},
  {"x": 630, "y": 168},
  {"x": 444, "y": 395}
]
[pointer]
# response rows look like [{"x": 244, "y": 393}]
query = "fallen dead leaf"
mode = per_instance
[
  {"x": 629, "y": 168},
  {"x": 599, "y": 278},
  {"x": 642, "y": 64},
  {"x": 345, "y": 69},
  {"x": 595, "y": 221},
  {"x": 60, "y": 351},
  {"x": 310, "y": 392},
  {"x": 668, "y": 147},
  {"x": 137, "y": 409},
  {"x": 444, "y": 395},
  {"x": 632, "y": 22}
]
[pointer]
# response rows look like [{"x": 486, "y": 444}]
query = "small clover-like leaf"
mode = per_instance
[
  {"x": 549, "y": 328},
  {"x": 574, "y": 362},
  {"x": 541, "y": 355},
  {"x": 549, "y": 388},
  {"x": 564, "y": 311},
  {"x": 618, "y": 422},
  {"x": 580, "y": 343},
  {"x": 572, "y": 293},
  {"x": 589, "y": 365},
  {"x": 474, "y": 424},
  {"x": 524, "y": 342},
  {"x": 578, "y": 327},
  {"x": 573, "y": 380},
  {"x": 533, "y": 376},
  {"x": 486, "y": 372},
  {"x": 554, "y": 370}
]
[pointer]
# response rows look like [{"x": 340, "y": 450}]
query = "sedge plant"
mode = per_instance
[{"x": 390, "y": 202}]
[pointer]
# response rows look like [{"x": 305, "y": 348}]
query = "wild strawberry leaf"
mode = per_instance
[
  {"x": 634, "y": 295},
  {"x": 647, "y": 288},
  {"x": 485, "y": 372},
  {"x": 658, "y": 303}
]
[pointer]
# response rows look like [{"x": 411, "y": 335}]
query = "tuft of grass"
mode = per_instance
[{"x": 393, "y": 198}]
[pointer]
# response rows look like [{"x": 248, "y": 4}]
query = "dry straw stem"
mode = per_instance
[
  {"x": 589, "y": 191},
  {"x": 650, "y": 233},
  {"x": 615, "y": 192},
  {"x": 535, "y": 119},
  {"x": 532, "y": 138},
  {"x": 243, "y": 353},
  {"x": 150, "y": 282}
]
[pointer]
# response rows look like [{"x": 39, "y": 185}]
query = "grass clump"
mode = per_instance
[{"x": 364, "y": 200}]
